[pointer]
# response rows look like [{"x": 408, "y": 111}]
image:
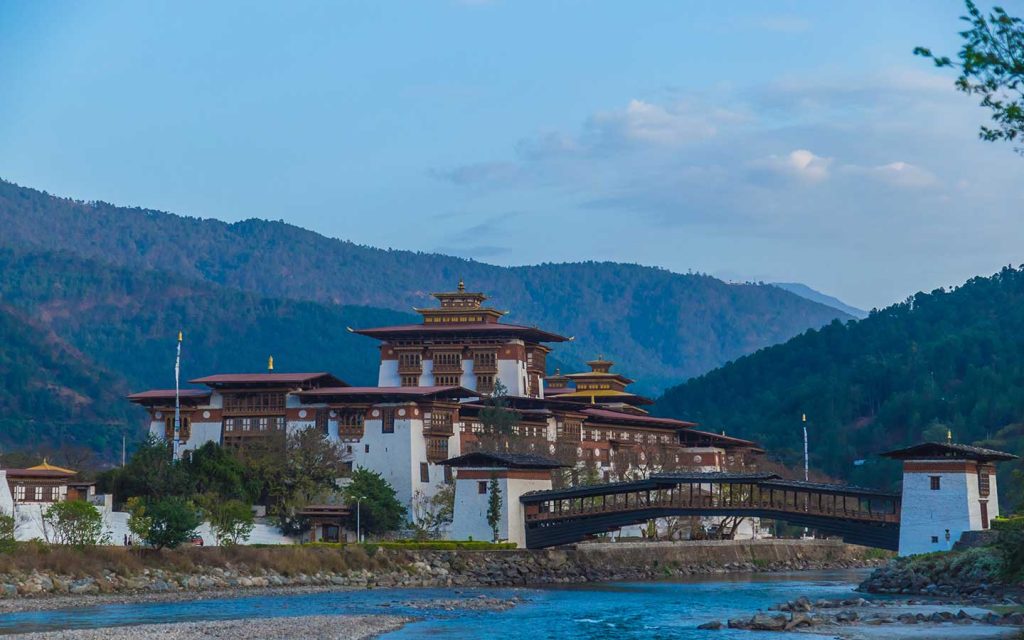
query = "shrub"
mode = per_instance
[
  {"x": 7, "y": 526},
  {"x": 74, "y": 522},
  {"x": 380, "y": 510},
  {"x": 171, "y": 522},
  {"x": 1010, "y": 543},
  {"x": 231, "y": 520}
]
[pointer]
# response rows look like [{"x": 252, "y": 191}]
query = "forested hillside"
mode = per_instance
[
  {"x": 660, "y": 326},
  {"x": 78, "y": 335},
  {"x": 941, "y": 360}
]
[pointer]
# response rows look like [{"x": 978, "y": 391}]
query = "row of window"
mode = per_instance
[
  {"x": 253, "y": 402},
  {"x": 257, "y": 424},
  {"x": 38, "y": 494}
]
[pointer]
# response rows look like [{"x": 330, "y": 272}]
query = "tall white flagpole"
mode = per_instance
[{"x": 177, "y": 399}]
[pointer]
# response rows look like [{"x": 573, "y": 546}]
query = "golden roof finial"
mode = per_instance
[
  {"x": 949, "y": 436},
  {"x": 179, "y": 335},
  {"x": 462, "y": 286},
  {"x": 270, "y": 363},
  {"x": 803, "y": 417}
]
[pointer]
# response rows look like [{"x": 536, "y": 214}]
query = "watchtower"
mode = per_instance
[
  {"x": 516, "y": 474},
  {"x": 948, "y": 488}
]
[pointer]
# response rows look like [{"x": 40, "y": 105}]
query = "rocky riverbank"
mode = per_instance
[
  {"x": 355, "y": 568},
  {"x": 852, "y": 618},
  {"x": 972, "y": 576},
  {"x": 324, "y": 627}
]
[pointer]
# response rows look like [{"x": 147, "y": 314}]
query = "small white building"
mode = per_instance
[
  {"x": 515, "y": 473},
  {"x": 948, "y": 489}
]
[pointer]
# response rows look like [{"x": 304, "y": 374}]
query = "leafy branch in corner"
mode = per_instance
[{"x": 991, "y": 64}]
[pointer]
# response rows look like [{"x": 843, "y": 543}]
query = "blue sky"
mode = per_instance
[{"x": 788, "y": 141}]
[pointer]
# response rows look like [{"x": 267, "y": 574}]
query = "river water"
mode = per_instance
[{"x": 650, "y": 610}]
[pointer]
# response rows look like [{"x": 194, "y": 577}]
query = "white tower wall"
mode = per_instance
[{"x": 927, "y": 514}]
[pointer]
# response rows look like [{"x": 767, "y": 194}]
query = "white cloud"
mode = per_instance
[
  {"x": 800, "y": 164},
  {"x": 647, "y": 123},
  {"x": 902, "y": 174}
]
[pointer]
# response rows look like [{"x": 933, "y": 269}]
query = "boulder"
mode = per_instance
[{"x": 714, "y": 625}]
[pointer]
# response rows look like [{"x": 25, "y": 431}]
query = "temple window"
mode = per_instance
[
  {"x": 19, "y": 493},
  {"x": 185, "y": 428},
  {"x": 387, "y": 421},
  {"x": 410, "y": 381}
]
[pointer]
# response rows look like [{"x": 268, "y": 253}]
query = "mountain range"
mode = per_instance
[
  {"x": 949, "y": 362},
  {"x": 96, "y": 290}
]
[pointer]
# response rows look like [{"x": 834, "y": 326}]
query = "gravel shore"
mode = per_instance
[{"x": 321, "y": 627}]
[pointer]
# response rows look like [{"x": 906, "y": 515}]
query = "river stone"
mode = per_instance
[
  {"x": 85, "y": 585},
  {"x": 714, "y": 625}
]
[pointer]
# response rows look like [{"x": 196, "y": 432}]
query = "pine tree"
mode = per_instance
[{"x": 494, "y": 506}]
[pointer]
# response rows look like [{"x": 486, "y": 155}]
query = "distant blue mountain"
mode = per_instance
[{"x": 804, "y": 291}]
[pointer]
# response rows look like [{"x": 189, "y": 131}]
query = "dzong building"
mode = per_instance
[{"x": 435, "y": 380}]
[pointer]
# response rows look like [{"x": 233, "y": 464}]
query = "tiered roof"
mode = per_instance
[
  {"x": 463, "y": 312},
  {"x": 597, "y": 386}
]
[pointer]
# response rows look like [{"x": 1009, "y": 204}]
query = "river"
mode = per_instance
[{"x": 649, "y": 610}]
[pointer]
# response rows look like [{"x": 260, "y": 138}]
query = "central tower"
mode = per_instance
[{"x": 463, "y": 343}]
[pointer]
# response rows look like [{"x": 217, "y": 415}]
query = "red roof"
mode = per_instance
[
  {"x": 168, "y": 394},
  {"x": 631, "y": 418},
  {"x": 383, "y": 333},
  {"x": 724, "y": 439},
  {"x": 450, "y": 392},
  {"x": 266, "y": 378}
]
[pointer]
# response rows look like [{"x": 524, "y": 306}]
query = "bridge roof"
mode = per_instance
[
  {"x": 656, "y": 481},
  {"x": 821, "y": 487}
]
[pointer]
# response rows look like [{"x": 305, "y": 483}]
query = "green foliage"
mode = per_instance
[
  {"x": 289, "y": 472},
  {"x": 150, "y": 473},
  {"x": 171, "y": 522},
  {"x": 74, "y": 522},
  {"x": 494, "y": 507},
  {"x": 232, "y": 521},
  {"x": 991, "y": 66},
  {"x": 946, "y": 359},
  {"x": 432, "y": 514},
  {"x": 7, "y": 529},
  {"x": 1010, "y": 543},
  {"x": 380, "y": 510},
  {"x": 213, "y": 469},
  {"x": 139, "y": 522},
  {"x": 498, "y": 420}
]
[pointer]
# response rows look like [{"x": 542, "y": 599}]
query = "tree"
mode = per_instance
[
  {"x": 494, "y": 506},
  {"x": 991, "y": 66},
  {"x": 213, "y": 469},
  {"x": 138, "y": 522},
  {"x": 8, "y": 525},
  {"x": 498, "y": 421},
  {"x": 74, "y": 522},
  {"x": 232, "y": 521},
  {"x": 290, "y": 472},
  {"x": 151, "y": 473},
  {"x": 171, "y": 522},
  {"x": 431, "y": 514},
  {"x": 380, "y": 509}
]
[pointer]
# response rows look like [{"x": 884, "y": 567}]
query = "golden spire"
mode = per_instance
[
  {"x": 462, "y": 286},
  {"x": 803, "y": 417},
  {"x": 949, "y": 436},
  {"x": 270, "y": 363},
  {"x": 179, "y": 335}
]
